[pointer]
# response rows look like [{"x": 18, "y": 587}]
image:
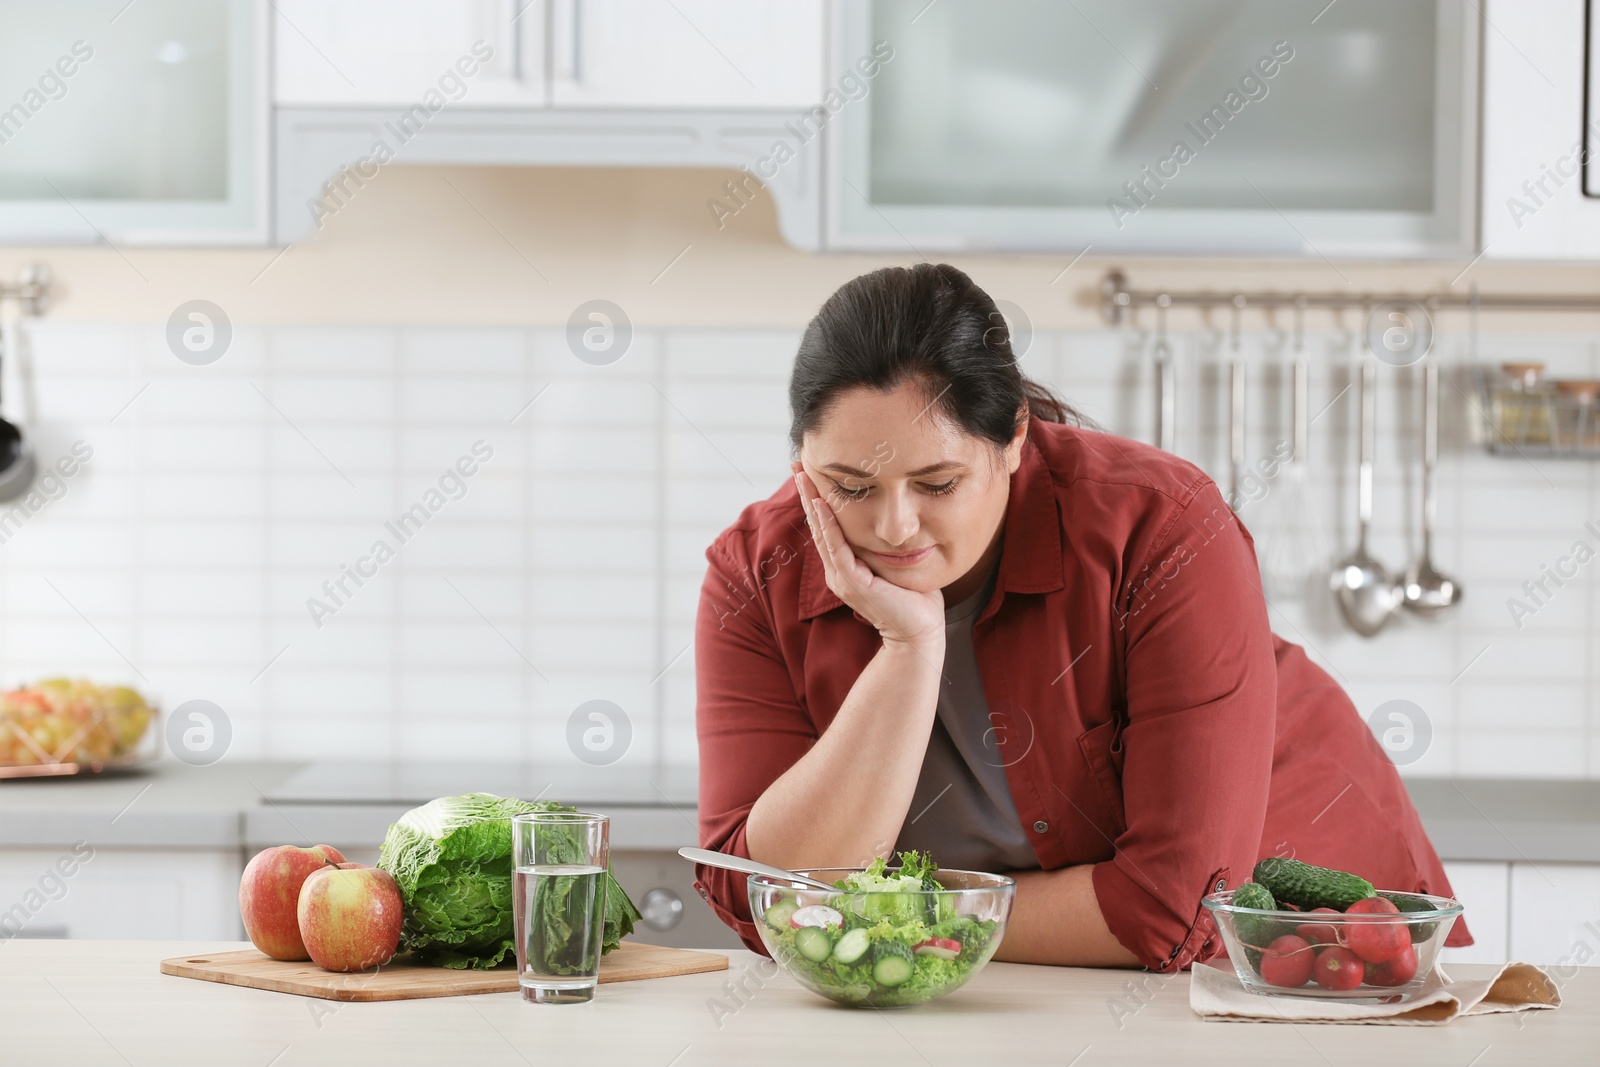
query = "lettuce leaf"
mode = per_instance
[{"x": 452, "y": 861}]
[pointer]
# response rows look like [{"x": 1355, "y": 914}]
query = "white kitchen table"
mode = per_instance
[{"x": 105, "y": 1002}]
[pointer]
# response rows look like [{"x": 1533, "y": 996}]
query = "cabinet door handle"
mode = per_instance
[
  {"x": 577, "y": 40},
  {"x": 568, "y": 23},
  {"x": 517, "y": 32}
]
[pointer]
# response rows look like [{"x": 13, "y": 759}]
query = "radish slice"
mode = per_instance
[
  {"x": 816, "y": 915},
  {"x": 942, "y": 947}
]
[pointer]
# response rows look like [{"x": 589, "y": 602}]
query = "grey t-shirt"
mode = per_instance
[{"x": 962, "y": 811}]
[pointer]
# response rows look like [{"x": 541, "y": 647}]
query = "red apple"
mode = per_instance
[
  {"x": 350, "y": 917},
  {"x": 269, "y": 893}
]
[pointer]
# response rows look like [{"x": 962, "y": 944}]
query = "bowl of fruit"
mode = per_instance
[
  {"x": 1299, "y": 930},
  {"x": 66, "y": 726},
  {"x": 883, "y": 937}
]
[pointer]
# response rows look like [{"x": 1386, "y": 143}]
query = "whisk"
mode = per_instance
[{"x": 1293, "y": 555}]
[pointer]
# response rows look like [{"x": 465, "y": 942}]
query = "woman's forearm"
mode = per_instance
[
  {"x": 846, "y": 799},
  {"x": 1056, "y": 919}
]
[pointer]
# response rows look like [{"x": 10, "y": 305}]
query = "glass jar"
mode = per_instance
[
  {"x": 1522, "y": 405},
  {"x": 1577, "y": 428}
]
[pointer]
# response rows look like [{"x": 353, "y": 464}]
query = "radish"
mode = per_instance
[
  {"x": 816, "y": 915},
  {"x": 1376, "y": 941},
  {"x": 1397, "y": 971},
  {"x": 1287, "y": 961},
  {"x": 1338, "y": 969},
  {"x": 1319, "y": 934},
  {"x": 943, "y": 948}
]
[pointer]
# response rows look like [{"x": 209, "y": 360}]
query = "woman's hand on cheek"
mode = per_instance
[{"x": 900, "y": 614}]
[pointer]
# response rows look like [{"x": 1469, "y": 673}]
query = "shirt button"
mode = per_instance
[
  {"x": 1041, "y": 827},
  {"x": 1222, "y": 883}
]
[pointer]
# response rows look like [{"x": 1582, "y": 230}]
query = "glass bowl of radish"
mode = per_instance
[
  {"x": 1379, "y": 949},
  {"x": 884, "y": 936}
]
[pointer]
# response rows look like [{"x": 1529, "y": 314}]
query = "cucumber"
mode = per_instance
[
  {"x": 1254, "y": 930},
  {"x": 931, "y": 887},
  {"x": 852, "y": 946},
  {"x": 1306, "y": 886},
  {"x": 892, "y": 963},
  {"x": 1253, "y": 895},
  {"x": 813, "y": 943},
  {"x": 1420, "y": 932},
  {"x": 778, "y": 915}
]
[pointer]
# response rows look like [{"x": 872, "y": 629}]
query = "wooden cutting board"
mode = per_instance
[{"x": 404, "y": 980}]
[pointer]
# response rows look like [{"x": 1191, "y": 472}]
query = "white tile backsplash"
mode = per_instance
[{"x": 221, "y": 499}]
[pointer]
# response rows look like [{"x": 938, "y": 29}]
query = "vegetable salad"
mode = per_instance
[{"x": 887, "y": 938}]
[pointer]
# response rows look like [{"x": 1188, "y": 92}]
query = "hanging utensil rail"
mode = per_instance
[
  {"x": 31, "y": 289},
  {"x": 1116, "y": 297}
]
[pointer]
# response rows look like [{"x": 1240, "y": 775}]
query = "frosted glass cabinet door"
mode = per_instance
[
  {"x": 132, "y": 122},
  {"x": 1148, "y": 125}
]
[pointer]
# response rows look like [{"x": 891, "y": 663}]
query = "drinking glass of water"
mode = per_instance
[{"x": 559, "y": 903}]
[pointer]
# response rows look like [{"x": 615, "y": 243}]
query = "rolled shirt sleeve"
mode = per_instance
[
  {"x": 751, "y": 724},
  {"x": 1197, "y": 741}
]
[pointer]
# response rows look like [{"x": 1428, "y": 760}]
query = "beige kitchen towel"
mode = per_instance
[{"x": 1216, "y": 995}]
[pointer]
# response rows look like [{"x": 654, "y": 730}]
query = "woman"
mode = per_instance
[{"x": 973, "y": 627}]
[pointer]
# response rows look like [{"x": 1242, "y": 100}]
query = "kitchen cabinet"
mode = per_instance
[
  {"x": 559, "y": 53},
  {"x": 1210, "y": 127},
  {"x": 627, "y": 83},
  {"x": 661, "y": 886},
  {"x": 153, "y": 131},
  {"x": 1544, "y": 913},
  {"x": 119, "y": 893},
  {"x": 686, "y": 54},
  {"x": 1555, "y": 913},
  {"x": 1535, "y": 125},
  {"x": 393, "y": 52},
  {"x": 1485, "y": 890}
]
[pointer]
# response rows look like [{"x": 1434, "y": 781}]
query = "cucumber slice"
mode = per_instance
[
  {"x": 892, "y": 964},
  {"x": 852, "y": 946},
  {"x": 778, "y": 915},
  {"x": 813, "y": 943}
]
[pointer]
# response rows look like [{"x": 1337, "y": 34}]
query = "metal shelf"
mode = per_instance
[{"x": 1543, "y": 422}]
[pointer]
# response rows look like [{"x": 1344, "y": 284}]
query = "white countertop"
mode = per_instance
[{"x": 105, "y": 1002}]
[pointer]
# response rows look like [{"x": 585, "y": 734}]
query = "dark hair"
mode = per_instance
[{"x": 930, "y": 325}]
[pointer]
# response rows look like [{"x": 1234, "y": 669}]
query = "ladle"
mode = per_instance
[
  {"x": 1367, "y": 594},
  {"x": 1427, "y": 590},
  {"x": 17, "y": 466}
]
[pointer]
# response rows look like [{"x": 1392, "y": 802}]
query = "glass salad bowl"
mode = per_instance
[
  {"x": 1381, "y": 957},
  {"x": 882, "y": 938}
]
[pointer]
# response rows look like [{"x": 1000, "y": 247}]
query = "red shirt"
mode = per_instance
[{"x": 1151, "y": 723}]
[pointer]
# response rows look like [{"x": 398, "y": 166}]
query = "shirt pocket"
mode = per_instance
[{"x": 1102, "y": 752}]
